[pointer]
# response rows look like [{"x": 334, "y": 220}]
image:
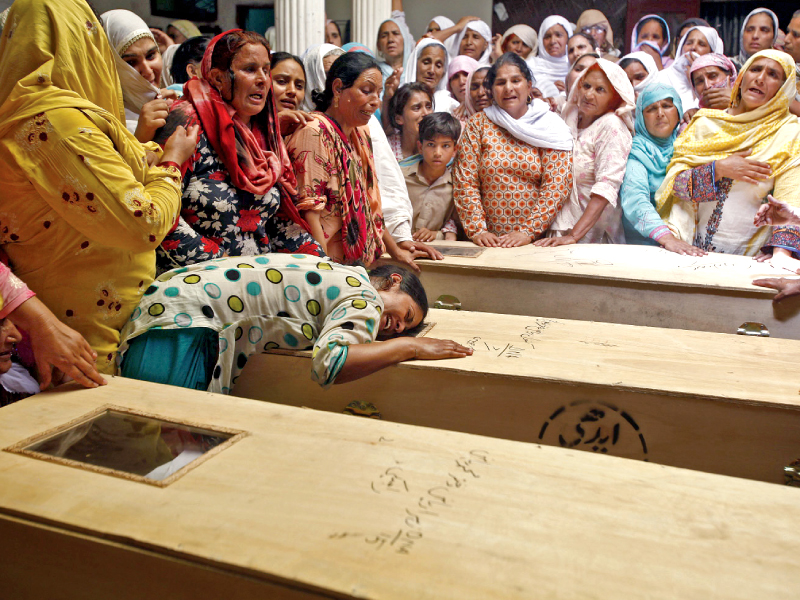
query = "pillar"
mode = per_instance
[
  {"x": 367, "y": 18},
  {"x": 299, "y": 24}
]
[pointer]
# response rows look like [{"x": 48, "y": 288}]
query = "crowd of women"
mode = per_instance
[{"x": 178, "y": 202}]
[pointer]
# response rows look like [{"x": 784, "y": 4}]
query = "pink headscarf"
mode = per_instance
[
  {"x": 459, "y": 64},
  {"x": 714, "y": 60}
]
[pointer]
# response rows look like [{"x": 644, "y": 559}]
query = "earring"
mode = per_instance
[
  {"x": 336, "y": 102},
  {"x": 530, "y": 99}
]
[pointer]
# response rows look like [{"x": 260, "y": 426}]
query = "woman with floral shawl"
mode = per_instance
[
  {"x": 238, "y": 186},
  {"x": 728, "y": 161},
  {"x": 84, "y": 204}
]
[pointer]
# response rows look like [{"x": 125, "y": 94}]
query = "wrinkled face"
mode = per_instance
[
  {"x": 696, "y": 42},
  {"x": 332, "y": 35},
  {"x": 458, "y": 85},
  {"x": 439, "y": 151},
  {"x": 598, "y": 32},
  {"x": 636, "y": 73},
  {"x": 511, "y": 90},
  {"x": 143, "y": 55},
  {"x": 289, "y": 84},
  {"x": 555, "y": 41},
  {"x": 9, "y": 337},
  {"x": 596, "y": 96},
  {"x": 577, "y": 46},
  {"x": 359, "y": 102},
  {"x": 791, "y": 43},
  {"x": 661, "y": 118},
  {"x": 651, "y": 31},
  {"x": 430, "y": 66},
  {"x": 390, "y": 40},
  {"x": 479, "y": 95},
  {"x": 418, "y": 105},
  {"x": 758, "y": 33},
  {"x": 517, "y": 46},
  {"x": 761, "y": 82},
  {"x": 472, "y": 44},
  {"x": 250, "y": 69},
  {"x": 583, "y": 63},
  {"x": 707, "y": 78}
]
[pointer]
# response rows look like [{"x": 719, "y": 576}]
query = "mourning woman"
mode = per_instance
[
  {"x": 238, "y": 185},
  {"x": 197, "y": 327},
  {"x": 513, "y": 169},
  {"x": 728, "y": 161}
]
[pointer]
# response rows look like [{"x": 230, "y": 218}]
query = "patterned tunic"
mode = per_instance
[
  {"x": 502, "y": 185},
  {"x": 600, "y": 155},
  {"x": 217, "y": 219},
  {"x": 81, "y": 214},
  {"x": 289, "y": 301}
]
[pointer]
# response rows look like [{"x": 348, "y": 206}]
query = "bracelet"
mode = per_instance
[{"x": 168, "y": 163}]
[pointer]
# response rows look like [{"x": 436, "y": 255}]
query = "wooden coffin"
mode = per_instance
[
  {"x": 632, "y": 285},
  {"x": 315, "y": 505},
  {"x": 714, "y": 402}
]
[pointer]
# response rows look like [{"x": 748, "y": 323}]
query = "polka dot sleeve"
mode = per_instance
[{"x": 354, "y": 320}]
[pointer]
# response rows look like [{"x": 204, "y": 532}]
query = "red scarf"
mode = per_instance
[{"x": 256, "y": 159}]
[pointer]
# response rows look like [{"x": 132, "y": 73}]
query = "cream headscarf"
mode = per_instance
[
  {"x": 55, "y": 55},
  {"x": 123, "y": 29},
  {"x": 619, "y": 81},
  {"x": 527, "y": 35},
  {"x": 595, "y": 17},
  {"x": 187, "y": 28},
  {"x": 770, "y": 131}
]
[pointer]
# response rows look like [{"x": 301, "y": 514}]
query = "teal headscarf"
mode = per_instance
[{"x": 654, "y": 152}]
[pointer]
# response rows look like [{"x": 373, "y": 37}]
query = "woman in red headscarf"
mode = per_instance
[{"x": 238, "y": 186}]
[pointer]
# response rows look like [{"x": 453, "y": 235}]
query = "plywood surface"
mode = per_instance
[
  {"x": 619, "y": 262},
  {"x": 647, "y": 359},
  {"x": 371, "y": 509}
]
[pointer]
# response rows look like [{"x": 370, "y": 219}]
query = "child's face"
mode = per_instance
[
  {"x": 9, "y": 336},
  {"x": 438, "y": 152}
]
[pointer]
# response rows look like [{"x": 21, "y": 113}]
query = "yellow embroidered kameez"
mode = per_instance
[{"x": 81, "y": 210}]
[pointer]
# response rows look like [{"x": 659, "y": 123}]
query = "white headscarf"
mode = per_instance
[
  {"x": 123, "y": 28},
  {"x": 485, "y": 32},
  {"x": 449, "y": 43},
  {"x": 315, "y": 71},
  {"x": 410, "y": 71},
  {"x": 743, "y": 55},
  {"x": 167, "y": 57},
  {"x": 649, "y": 64},
  {"x": 676, "y": 74},
  {"x": 539, "y": 126},
  {"x": 548, "y": 69},
  {"x": 408, "y": 47}
]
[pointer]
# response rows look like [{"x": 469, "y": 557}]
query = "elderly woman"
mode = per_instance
[
  {"x": 578, "y": 67},
  {"x": 595, "y": 24},
  {"x": 712, "y": 78},
  {"x": 658, "y": 114},
  {"x": 519, "y": 39},
  {"x": 513, "y": 168},
  {"x": 428, "y": 64},
  {"x": 140, "y": 68},
  {"x": 411, "y": 102},
  {"x": 84, "y": 203},
  {"x": 698, "y": 41},
  {"x": 759, "y": 32},
  {"x": 727, "y": 162},
  {"x": 238, "y": 185},
  {"x": 599, "y": 112},
  {"x": 317, "y": 60},
  {"x": 551, "y": 65},
  {"x": 196, "y": 328},
  {"x": 475, "y": 41}
]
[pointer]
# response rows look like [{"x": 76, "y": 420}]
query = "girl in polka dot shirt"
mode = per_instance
[{"x": 197, "y": 326}]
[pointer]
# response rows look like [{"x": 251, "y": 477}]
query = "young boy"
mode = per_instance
[{"x": 429, "y": 182}]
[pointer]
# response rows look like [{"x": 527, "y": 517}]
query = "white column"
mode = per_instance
[
  {"x": 367, "y": 18},
  {"x": 299, "y": 24}
]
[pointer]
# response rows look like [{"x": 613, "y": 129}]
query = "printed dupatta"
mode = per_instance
[{"x": 359, "y": 239}]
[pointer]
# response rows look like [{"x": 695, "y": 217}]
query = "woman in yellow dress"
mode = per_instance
[{"x": 84, "y": 204}]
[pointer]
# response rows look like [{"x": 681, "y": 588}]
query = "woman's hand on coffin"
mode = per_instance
[
  {"x": 435, "y": 349},
  {"x": 785, "y": 287}
]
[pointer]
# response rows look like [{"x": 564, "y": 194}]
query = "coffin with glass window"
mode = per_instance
[
  {"x": 137, "y": 490},
  {"x": 719, "y": 403},
  {"x": 632, "y": 285}
]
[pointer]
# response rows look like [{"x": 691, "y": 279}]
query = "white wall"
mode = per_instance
[{"x": 419, "y": 12}]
